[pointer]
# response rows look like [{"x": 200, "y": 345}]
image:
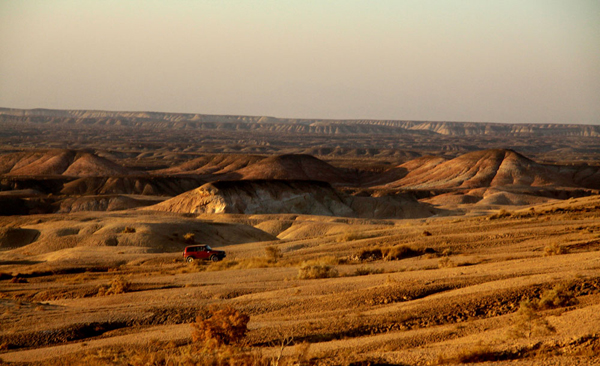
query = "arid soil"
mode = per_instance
[{"x": 456, "y": 294}]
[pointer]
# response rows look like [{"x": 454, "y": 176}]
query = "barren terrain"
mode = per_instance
[{"x": 348, "y": 242}]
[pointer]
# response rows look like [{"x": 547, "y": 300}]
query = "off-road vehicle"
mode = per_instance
[{"x": 202, "y": 251}]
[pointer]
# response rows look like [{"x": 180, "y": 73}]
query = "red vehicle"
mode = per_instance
[{"x": 202, "y": 251}]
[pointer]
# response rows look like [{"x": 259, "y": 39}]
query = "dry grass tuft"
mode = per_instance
[
  {"x": 364, "y": 271},
  {"x": 313, "y": 271},
  {"x": 273, "y": 253},
  {"x": 387, "y": 253},
  {"x": 555, "y": 249},
  {"x": 128, "y": 230},
  {"x": 475, "y": 354},
  {"x": 446, "y": 262},
  {"x": 18, "y": 279},
  {"x": 500, "y": 215},
  {"x": 118, "y": 285},
  {"x": 189, "y": 238}
]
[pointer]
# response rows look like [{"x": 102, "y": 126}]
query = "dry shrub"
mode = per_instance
[
  {"x": 156, "y": 353},
  {"x": 426, "y": 233},
  {"x": 18, "y": 279},
  {"x": 128, "y": 230},
  {"x": 446, "y": 262},
  {"x": 351, "y": 236},
  {"x": 364, "y": 271},
  {"x": 118, "y": 285},
  {"x": 388, "y": 253},
  {"x": 314, "y": 271},
  {"x": 528, "y": 323},
  {"x": 500, "y": 215},
  {"x": 221, "y": 326},
  {"x": 400, "y": 252},
  {"x": 369, "y": 254},
  {"x": 273, "y": 253},
  {"x": 555, "y": 249},
  {"x": 474, "y": 354},
  {"x": 559, "y": 296},
  {"x": 189, "y": 238}
]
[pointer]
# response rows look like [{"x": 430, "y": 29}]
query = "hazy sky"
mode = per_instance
[{"x": 514, "y": 61}]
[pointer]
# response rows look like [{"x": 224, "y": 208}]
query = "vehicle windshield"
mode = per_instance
[{"x": 208, "y": 248}]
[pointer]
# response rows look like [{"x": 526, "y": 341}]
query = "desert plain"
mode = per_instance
[{"x": 348, "y": 242}]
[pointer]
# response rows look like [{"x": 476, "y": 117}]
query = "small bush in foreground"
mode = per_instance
[
  {"x": 313, "y": 271},
  {"x": 221, "y": 326}
]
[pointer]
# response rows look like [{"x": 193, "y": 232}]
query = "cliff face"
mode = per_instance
[{"x": 187, "y": 121}]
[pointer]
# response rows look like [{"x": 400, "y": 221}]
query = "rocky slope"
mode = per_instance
[
  {"x": 59, "y": 162},
  {"x": 490, "y": 168},
  {"x": 298, "y": 197}
]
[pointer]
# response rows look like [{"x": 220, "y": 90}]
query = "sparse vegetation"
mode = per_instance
[
  {"x": 364, "y": 271},
  {"x": 128, "y": 230},
  {"x": 446, "y": 262},
  {"x": 558, "y": 296},
  {"x": 309, "y": 271},
  {"x": 273, "y": 253},
  {"x": 189, "y": 238},
  {"x": 397, "y": 252},
  {"x": 118, "y": 285},
  {"x": 500, "y": 215},
  {"x": 529, "y": 323},
  {"x": 220, "y": 326},
  {"x": 555, "y": 249},
  {"x": 477, "y": 353}
]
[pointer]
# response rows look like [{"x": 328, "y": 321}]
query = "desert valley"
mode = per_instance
[{"x": 348, "y": 242}]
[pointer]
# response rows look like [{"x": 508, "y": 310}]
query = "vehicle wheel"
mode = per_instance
[
  {"x": 189, "y": 259},
  {"x": 214, "y": 258}
]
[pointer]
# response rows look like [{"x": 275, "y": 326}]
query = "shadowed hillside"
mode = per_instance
[{"x": 280, "y": 197}]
